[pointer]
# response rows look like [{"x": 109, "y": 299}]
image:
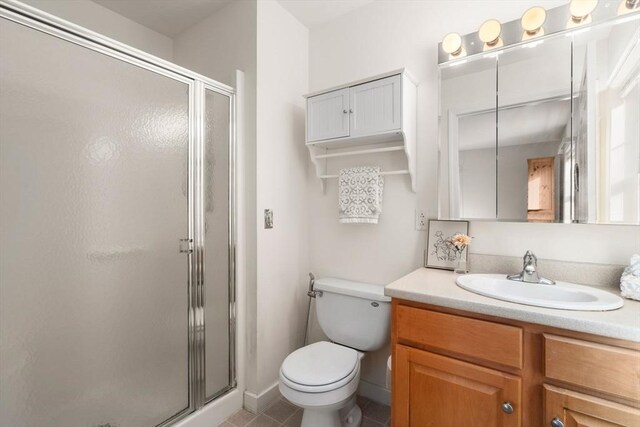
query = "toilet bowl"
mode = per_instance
[{"x": 323, "y": 377}]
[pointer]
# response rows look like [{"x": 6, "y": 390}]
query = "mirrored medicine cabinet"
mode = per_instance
[{"x": 546, "y": 130}]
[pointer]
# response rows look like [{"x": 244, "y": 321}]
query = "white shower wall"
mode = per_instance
[{"x": 106, "y": 22}]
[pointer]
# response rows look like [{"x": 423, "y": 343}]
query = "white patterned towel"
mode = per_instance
[
  {"x": 630, "y": 280},
  {"x": 360, "y": 195}
]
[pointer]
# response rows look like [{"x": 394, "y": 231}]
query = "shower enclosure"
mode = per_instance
[{"x": 116, "y": 231}]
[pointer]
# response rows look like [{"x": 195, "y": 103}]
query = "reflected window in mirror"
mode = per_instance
[{"x": 606, "y": 126}]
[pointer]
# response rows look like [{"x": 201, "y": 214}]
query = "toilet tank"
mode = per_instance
[{"x": 353, "y": 314}]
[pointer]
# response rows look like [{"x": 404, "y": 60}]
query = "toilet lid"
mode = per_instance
[{"x": 319, "y": 364}]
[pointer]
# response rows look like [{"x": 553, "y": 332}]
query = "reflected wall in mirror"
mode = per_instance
[
  {"x": 534, "y": 128},
  {"x": 545, "y": 131},
  {"x": 468, "y": 124}
]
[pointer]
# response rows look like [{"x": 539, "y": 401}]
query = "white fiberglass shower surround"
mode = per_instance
[{"x": 117, "y": 224}]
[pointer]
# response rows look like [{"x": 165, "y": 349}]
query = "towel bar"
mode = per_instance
[{"x": 400, "y": 172}]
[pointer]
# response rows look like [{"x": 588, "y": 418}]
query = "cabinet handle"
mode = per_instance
[
  {"x": 507, "y": 408},
  {"x": 556, "y": 423}
]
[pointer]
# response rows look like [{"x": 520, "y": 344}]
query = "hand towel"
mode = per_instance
[
  {"x": 360, "y": 195},
  {"x": 630, "y": 280}
]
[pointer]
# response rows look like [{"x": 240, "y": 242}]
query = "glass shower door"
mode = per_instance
[
  {"x": 217, "y": 244},
  {"x": 94, "y": 295}
]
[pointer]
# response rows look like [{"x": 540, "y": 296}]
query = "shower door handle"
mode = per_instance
[{"x": 186, "y": 246}]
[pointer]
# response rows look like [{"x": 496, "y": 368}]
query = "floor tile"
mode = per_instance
[
  {"x": 377, "y": 412},
  {"x": 241, "y": 418},
  {"x": 362, "y": 401},
  {"x": 226, "y": 424},
  {"x": 368, "y": 422},
  {"x": 294, "y": 420},
  {"x": 263, "y": 421},
  {"x": 280, "y": 410}
]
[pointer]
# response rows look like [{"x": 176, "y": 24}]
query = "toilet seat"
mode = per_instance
[{"x": 320, "y": 367}]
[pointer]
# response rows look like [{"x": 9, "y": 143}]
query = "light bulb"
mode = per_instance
[
  {"x": 452, "y": 44},
  {"x": 489, "y": 34},
  {"x": 532, "y": 21}
]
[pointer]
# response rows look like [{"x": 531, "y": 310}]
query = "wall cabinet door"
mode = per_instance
[
  {"x": 328, "y": 115},
  {"x": 375, "y": 106},
  {"x": 580, "y": 410},
  {"x": 430, "y": 390}
]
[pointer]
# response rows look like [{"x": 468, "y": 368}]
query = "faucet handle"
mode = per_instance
[{"x": 529, "y": 258}]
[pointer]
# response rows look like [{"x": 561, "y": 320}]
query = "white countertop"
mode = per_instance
[{"x": 438, "y": 287}]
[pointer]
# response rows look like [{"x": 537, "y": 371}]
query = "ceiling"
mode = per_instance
[
  {"x": 317, "y": 12},
  {"x": 526, "y": 124},
  {"x": 168, "y": 17},
  {"x": 172, "y": 17}
]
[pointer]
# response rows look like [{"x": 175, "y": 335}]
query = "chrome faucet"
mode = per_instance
[{"x": 529, "y": 273}]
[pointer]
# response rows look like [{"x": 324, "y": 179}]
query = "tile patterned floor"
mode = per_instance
[{"x": 281, "y": 413}]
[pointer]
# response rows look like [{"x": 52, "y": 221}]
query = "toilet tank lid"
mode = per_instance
[{"x": 363, "y": 290}]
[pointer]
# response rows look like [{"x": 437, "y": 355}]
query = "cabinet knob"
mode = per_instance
[
  {"x": 351, "y": 110},
  {"x": 556, "y": 422},
  {"x": 507, "y": 408},
  {"x": 345, "y": 111}
]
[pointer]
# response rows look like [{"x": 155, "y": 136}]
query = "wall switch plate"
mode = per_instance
[
  {"x": 421, "y": 220},
  {"x": 268, "y": 218}
]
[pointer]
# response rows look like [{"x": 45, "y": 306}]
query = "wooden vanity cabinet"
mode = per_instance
[
  {"x": 453, "y": 368},
  {"x": 459, "y": 393}
]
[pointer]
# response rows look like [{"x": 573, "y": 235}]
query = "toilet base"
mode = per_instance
[{"x": 340, "y": 415}]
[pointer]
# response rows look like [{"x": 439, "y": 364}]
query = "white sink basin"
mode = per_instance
[{"x": 562, "y": 295}]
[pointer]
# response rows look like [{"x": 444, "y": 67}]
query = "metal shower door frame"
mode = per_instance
[{"x": 33, "y": 18}]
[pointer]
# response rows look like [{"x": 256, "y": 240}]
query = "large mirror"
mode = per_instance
[{"x": 545, "y": 131}]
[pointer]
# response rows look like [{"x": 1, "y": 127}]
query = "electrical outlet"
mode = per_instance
[{"x": 421, "y": 220}]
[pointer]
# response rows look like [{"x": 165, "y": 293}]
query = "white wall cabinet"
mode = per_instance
[
  {"x": 375, "y": 107},
  {"x": 378, "y": 115},
  {"x": 328, "y": 115}
]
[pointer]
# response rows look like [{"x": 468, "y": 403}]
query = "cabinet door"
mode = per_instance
[
  {"x": 581, "y": 410},
  {"x": 328, "y": 115},
  {"x": 430, "y": 390},
  {"x": 375, "y": 106}
]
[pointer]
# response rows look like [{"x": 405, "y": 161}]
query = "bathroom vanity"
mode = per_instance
[{"x": 464, "y": 359}]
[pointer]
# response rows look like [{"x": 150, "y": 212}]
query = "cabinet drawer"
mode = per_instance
[
  {"x": 599, "y": 367},
  {"x": 478, "y": 339}
]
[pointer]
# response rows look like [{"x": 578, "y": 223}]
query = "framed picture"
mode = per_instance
[{"x": 441, "y": 252}]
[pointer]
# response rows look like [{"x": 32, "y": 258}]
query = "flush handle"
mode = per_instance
[
  {"x": 507, "y": 408},
  {"x": 556, "y": 422}
]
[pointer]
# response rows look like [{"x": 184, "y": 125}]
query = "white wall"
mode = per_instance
[
  {"x": 221, "y": 43},
  {"x": 282, "y": 255},
  {"x": 106, "y": 22},
  {"x": 382, "y": 36}
]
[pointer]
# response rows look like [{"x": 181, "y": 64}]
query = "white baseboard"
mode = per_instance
[
  {"x": 375, "y": 392},
  {"x": 259, "y": 402},
  {"x": 215, "y": 412}
]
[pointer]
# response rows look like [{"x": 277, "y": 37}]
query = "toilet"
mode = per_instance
[{"x": 322, "y": 378}]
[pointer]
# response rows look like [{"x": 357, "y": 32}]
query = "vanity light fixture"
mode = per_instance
[
  {"x": 452, "y": 44},
  {"x": 628, "y": 6},
  {"x": 581, "y": 12},
  {"x": 532, "y": 21},
  {"x": 489, "y": 33}
]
